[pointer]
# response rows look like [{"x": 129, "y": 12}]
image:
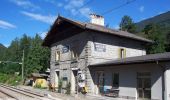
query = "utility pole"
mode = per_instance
[{"x": 23, "y": 65}]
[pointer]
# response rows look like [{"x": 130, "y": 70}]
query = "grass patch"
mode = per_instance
[{"x": 10, "y": 79}]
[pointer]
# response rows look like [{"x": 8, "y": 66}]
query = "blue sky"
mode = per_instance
[{"x": 36, "y": 16}]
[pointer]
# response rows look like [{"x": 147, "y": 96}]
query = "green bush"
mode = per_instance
[
  {"x": 10, "y": 79},
  {"x": 68, "y": 88},
  {"x": 60, "y": 82}
]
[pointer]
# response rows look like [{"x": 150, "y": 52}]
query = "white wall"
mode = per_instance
[
  {"x": 113, "y": 45},
  {"x": 128, "y": 76},
  {"x": 167, "y": 82}
]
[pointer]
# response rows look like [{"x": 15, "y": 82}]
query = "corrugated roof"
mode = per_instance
[
  {"x": 137, "y": 59},
  {"x": 99, "y": 28}
]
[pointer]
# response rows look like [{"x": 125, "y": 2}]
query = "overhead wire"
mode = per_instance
[
  {"x": 115, "y": 8},
  {"x": 88, "y": 2}
]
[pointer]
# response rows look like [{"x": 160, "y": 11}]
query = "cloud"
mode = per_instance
[
  {"x": 25, "y": 4},
  {"x": 6, "y": 25},
  {"x": 74, "y": 7},
  {"x": 85, "y": 11},
  {"x": 6, "y": 45},
  {"x": 50, "y": 1},
  {"x": 141, "y": 8},
  {"x": 59, "y": 4},
  {"x": 43, "y": 34},
  {"x": 54, "y": 2},
  {"x": 46, "y": 19},
  {"x": 72, "y": 4},
  {"x": 116, "y": 27}
]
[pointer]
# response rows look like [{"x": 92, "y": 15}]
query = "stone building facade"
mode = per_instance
[
  {"x": 77, "y": 46},
  {"x": 87, "y": 47}
]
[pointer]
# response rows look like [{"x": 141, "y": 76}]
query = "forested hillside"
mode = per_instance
[
  {"x": 2, "y": 51},
  {"x": 36, "y": 57},
  {"x": 163, "y": 20},
  {"x": 156, "y": 28}
]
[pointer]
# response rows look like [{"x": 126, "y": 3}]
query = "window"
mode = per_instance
[
  {"x": 99, "y": 47},
  {"x": 57, "y": 56},
  {"x": 75, "y": 51},
  {"x": 65, "y": 49},
  {"x": 115, "y": 80},
  {"x": 122, "y": 53},
  {"x": 73, "y": 55}
]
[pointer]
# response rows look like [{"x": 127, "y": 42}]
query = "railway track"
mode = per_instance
[
  {"x": 5, "y": 96},
  {"x": 15, "y": 93}
]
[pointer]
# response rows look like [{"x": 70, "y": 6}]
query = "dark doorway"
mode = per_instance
[
  {"x": 100, "y": 81},
  {"x": 144, "y": 85}
]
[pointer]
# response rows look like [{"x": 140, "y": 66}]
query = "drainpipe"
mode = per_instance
[
  {"x": 163, "y": 79},
  {"x": 136, "y": 97}
]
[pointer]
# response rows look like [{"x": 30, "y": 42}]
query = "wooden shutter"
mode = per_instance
[
  {"x": 124, "y": 53},
  {"x": 72, "y": 54},
  {"x": 119, "y": 52},
  {"x": 57, "y": 55}
]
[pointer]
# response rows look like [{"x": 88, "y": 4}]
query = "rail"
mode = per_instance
[{"x": 24, "y": 92}]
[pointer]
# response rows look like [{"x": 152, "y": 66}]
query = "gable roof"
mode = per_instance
[
  {"x": 93, "y": 27},
  {"x": 137, "y": 59}
]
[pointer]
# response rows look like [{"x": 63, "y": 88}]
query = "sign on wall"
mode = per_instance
[
  {"x": 65, "y": 49},
  {"x": 100, "y": 47}
]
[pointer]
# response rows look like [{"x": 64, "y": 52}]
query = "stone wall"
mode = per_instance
[{"x": 84, "y": 45}]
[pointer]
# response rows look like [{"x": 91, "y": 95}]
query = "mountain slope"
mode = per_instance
[{"x": 162, "y": 19}]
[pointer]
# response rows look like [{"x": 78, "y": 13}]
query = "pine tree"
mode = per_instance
[
  {"x": 127, "y": 24},
  {"x": 153, "y": 32},
  {"x": 38, "y": 57}
]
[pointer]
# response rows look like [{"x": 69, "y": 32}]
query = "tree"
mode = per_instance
[
  {"x": 127, "y": 24},
  {"x": 153, "y": 32},
  {"x": 168, "y": 42},
  {"x": 38, "y": 57},
  {"x": 25, "y": 44},
  {"x": 2, "y": 51}
]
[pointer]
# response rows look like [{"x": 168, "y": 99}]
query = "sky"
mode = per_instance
[{"x": 18, "y": 17}]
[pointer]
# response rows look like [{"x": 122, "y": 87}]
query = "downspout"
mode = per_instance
[{"x": 163, "y": 79}]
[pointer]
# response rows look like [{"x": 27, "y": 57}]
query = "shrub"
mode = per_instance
[
  {"x": 68, "y": 88},
  {"x": 60, "y": 82},
  {"x": 10, "y": 79}
]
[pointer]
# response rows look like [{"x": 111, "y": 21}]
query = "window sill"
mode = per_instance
[
  {"x": 57, "y": 63},
  {"x": 74, "y": 61}
]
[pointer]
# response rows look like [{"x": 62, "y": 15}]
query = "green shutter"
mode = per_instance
[{"x": 124, "y": 53}]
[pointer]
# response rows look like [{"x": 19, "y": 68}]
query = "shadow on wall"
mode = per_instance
[
  {"x": 127, "y": 76},
  {"x": 115, "y": 40}
]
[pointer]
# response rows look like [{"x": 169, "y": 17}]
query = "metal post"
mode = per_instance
[
  {"x": 77, "y": 83},
  {"x": 23, "y": 65}
]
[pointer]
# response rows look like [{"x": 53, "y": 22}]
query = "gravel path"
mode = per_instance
[
  {"x": 59, "y": 96},
  {"x": 16, "y": 95}
]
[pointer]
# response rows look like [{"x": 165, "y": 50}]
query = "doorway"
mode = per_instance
[
  {"x": 100, "y": 81},
  {"x": 75, "y": 81},
  {"x": 144, "y": 85}
]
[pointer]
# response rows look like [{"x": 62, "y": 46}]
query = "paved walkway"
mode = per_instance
[{"x": 59, "y": 96}]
